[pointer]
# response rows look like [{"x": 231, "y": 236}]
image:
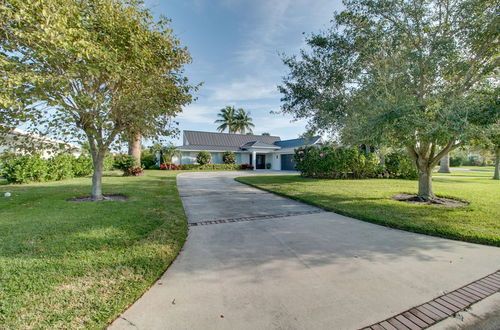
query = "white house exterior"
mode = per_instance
[
  {"x": 257, "y": 150},
  {"x": 17, "y": 140}
]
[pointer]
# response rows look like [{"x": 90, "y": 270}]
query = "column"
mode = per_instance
[{"x": 254, "y": 160}]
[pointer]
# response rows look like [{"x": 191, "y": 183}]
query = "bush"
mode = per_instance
[
  {"x": 169, "y": 166},
  {"x": 336, "y": 163},
  {"x": 82, "y": 166},
  {"x": 229, "y": 157},
  {"x": 148, "y": 160},
  {"x": 456, "y": 161},
  {"x": 246, "y": 167},
  {"x": 268, "y": 166},
  {"x": 203, "y": 158},
  {"x": 60, "y": 167},
  {"x": 24, "y": 169},
  {"x": 344, "y": 163},
  {"x": 400, "y": 165},
  {"x": 215, "y": 167},
  {"x": 109, "y": 162},
  {"x": 126, "y": 163}
]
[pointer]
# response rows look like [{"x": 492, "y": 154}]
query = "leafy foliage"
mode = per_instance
[
  {"x": 25, "y": 169},
  {"x": 216, "y": 167},
  {"x": 229, "y": 157},
  {"x": 337, "y": 163},
  {"x": 234, "y": 120},
  {"x": 60, "y": 167},
  {"x": 406, "y": 74},
  {"x": 92, "y": 70},
  {"x": 148, "y": 159},
  {"x": 127, "y": 164},
  {"x": 203, "y": 158},
  {"x": 399, "y": 165}
]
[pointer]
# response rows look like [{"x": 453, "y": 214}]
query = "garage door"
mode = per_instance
[{"x": 287, "y": 163}]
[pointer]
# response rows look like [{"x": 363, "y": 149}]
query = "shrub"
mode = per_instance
[
  {"x": 60, "y": 167},
  {"x": 398, "y": 164},
  {"x": 24, "y": 169},
  {"x": 229, "y": 157},
  {"x": 343, "y": 163},
  {"x": 109, "y": 162},
  {"x": 148, "y": 161},
  {"x": 246, "y": 167},
  {"x": 126, "y": 163},
  {"x": 82, "y": 166},
  {"x": 169, "y": 166},
  {"x": 203, "y": 158},
  {"x": 215, "y": 167},
  {"x": 456, "y": 161},
  {"x": 268, "y": 166}
]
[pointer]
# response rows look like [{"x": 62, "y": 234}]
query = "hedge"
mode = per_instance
[
  {"x": 345, "y": 163},
  {"x": 220, "y": 167}
]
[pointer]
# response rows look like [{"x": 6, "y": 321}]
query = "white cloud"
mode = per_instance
[{"x": 240, "y": 90}]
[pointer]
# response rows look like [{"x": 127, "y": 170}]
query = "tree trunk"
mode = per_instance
[
  {"x": 496, "y": 176},
  {"x": 98, "y": 161},
  {"x": 445, "y": 164},
  {"x": 425, "y": 192},
  {"x": 134, "y": 148}
]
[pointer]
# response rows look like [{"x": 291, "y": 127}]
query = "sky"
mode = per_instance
[{"x": 235, "y": 46}]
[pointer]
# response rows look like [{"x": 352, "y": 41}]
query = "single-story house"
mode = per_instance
[
  {"x": 20, "y": 141},
  {"x": 257, "y": 150}
]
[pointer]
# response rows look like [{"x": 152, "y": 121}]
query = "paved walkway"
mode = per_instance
[{"x": 308, "y": 271}]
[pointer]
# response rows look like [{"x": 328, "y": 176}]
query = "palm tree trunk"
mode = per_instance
[
  {"x": 496, "y": 176},
  {"x": 134, "y": 148},
  {"x": 445, "y": 164}
]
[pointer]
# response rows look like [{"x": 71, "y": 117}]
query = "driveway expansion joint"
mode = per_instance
[
  {"x": 444, "y": 306},
  {"x": 259, "y": 217}
]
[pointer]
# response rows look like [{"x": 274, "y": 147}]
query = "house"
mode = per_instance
[
  {"x": 260, "y": 150},
  {"x": 20, "y": 141}
]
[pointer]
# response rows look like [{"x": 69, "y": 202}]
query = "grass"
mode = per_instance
[
  {"x": 370, "y": 200},
  {"x": 79, "y": 264},
  {"x": 471, "y": 171}
]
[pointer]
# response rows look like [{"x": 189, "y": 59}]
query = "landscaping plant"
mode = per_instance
[
  {"x": 229, "y": 157},
  {"x": 203, "y": 158},
  {"x": 418, "y": 75}
]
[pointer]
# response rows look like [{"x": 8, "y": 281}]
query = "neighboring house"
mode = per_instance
[
  {"x": 19, "y": 141},
  {"x": 257, "y": 150}
]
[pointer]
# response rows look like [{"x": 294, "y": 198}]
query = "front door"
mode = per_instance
[{"x": 260, "y": 162}]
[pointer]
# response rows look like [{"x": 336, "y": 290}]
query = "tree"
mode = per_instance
[
  {"x": 400, "y": 73},
  {"x": 266, "y": 134},
  {"x": 227, "y": 119},
  {"x": 243, "y": 122},
  {"x": 444, "y": 164},
  {"x": 97, "y": 69}
]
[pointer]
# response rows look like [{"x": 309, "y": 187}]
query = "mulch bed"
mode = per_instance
[
  {"x": 110, "y": 197},
  {"x": 438, "y": 201}
]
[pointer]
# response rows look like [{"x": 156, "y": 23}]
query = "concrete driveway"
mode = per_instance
[{"x": 306, "y": 271}]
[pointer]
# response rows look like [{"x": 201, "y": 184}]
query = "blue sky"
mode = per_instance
[{"x": 235, "y": 46}]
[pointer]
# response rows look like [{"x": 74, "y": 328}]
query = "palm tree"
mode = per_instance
[
  {"x": 227, "y": 119},
  {"x": 243, "y": 122}
]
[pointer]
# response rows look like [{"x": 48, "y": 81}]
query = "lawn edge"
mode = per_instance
[
  {"x": 181, "y": 248},
  {"x": 416, "y": 230}
]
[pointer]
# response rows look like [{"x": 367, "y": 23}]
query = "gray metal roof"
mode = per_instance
[
  {"x": 193, "y": 147},
  {"x": 225, "y": 139},
  {"x": 295, "y": 143},
  {"x": 258, "y": 144}
]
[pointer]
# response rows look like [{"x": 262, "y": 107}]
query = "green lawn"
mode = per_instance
[
  {"x": 471, "y": 171},
  {"x": 370, "y": 200},
  {"x": 79, "y": 264}
]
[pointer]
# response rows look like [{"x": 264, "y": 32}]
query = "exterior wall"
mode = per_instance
[
  {"x": 276, "y": 162},
  {"x": 189, "y": 157},
  {"x": 216, "y": 158}
]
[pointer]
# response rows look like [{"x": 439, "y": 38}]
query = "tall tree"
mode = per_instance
[
  {"x": 226, "y": 119},
  {"x": 243, "y": 122},
  {"x": 98, "y": 67},
  {"x": 401, "y": 73}
]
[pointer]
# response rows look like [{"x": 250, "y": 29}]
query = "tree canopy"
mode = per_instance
[
  {"x": 92, "y": 69},
  {"x": 400, "y": 73}
]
